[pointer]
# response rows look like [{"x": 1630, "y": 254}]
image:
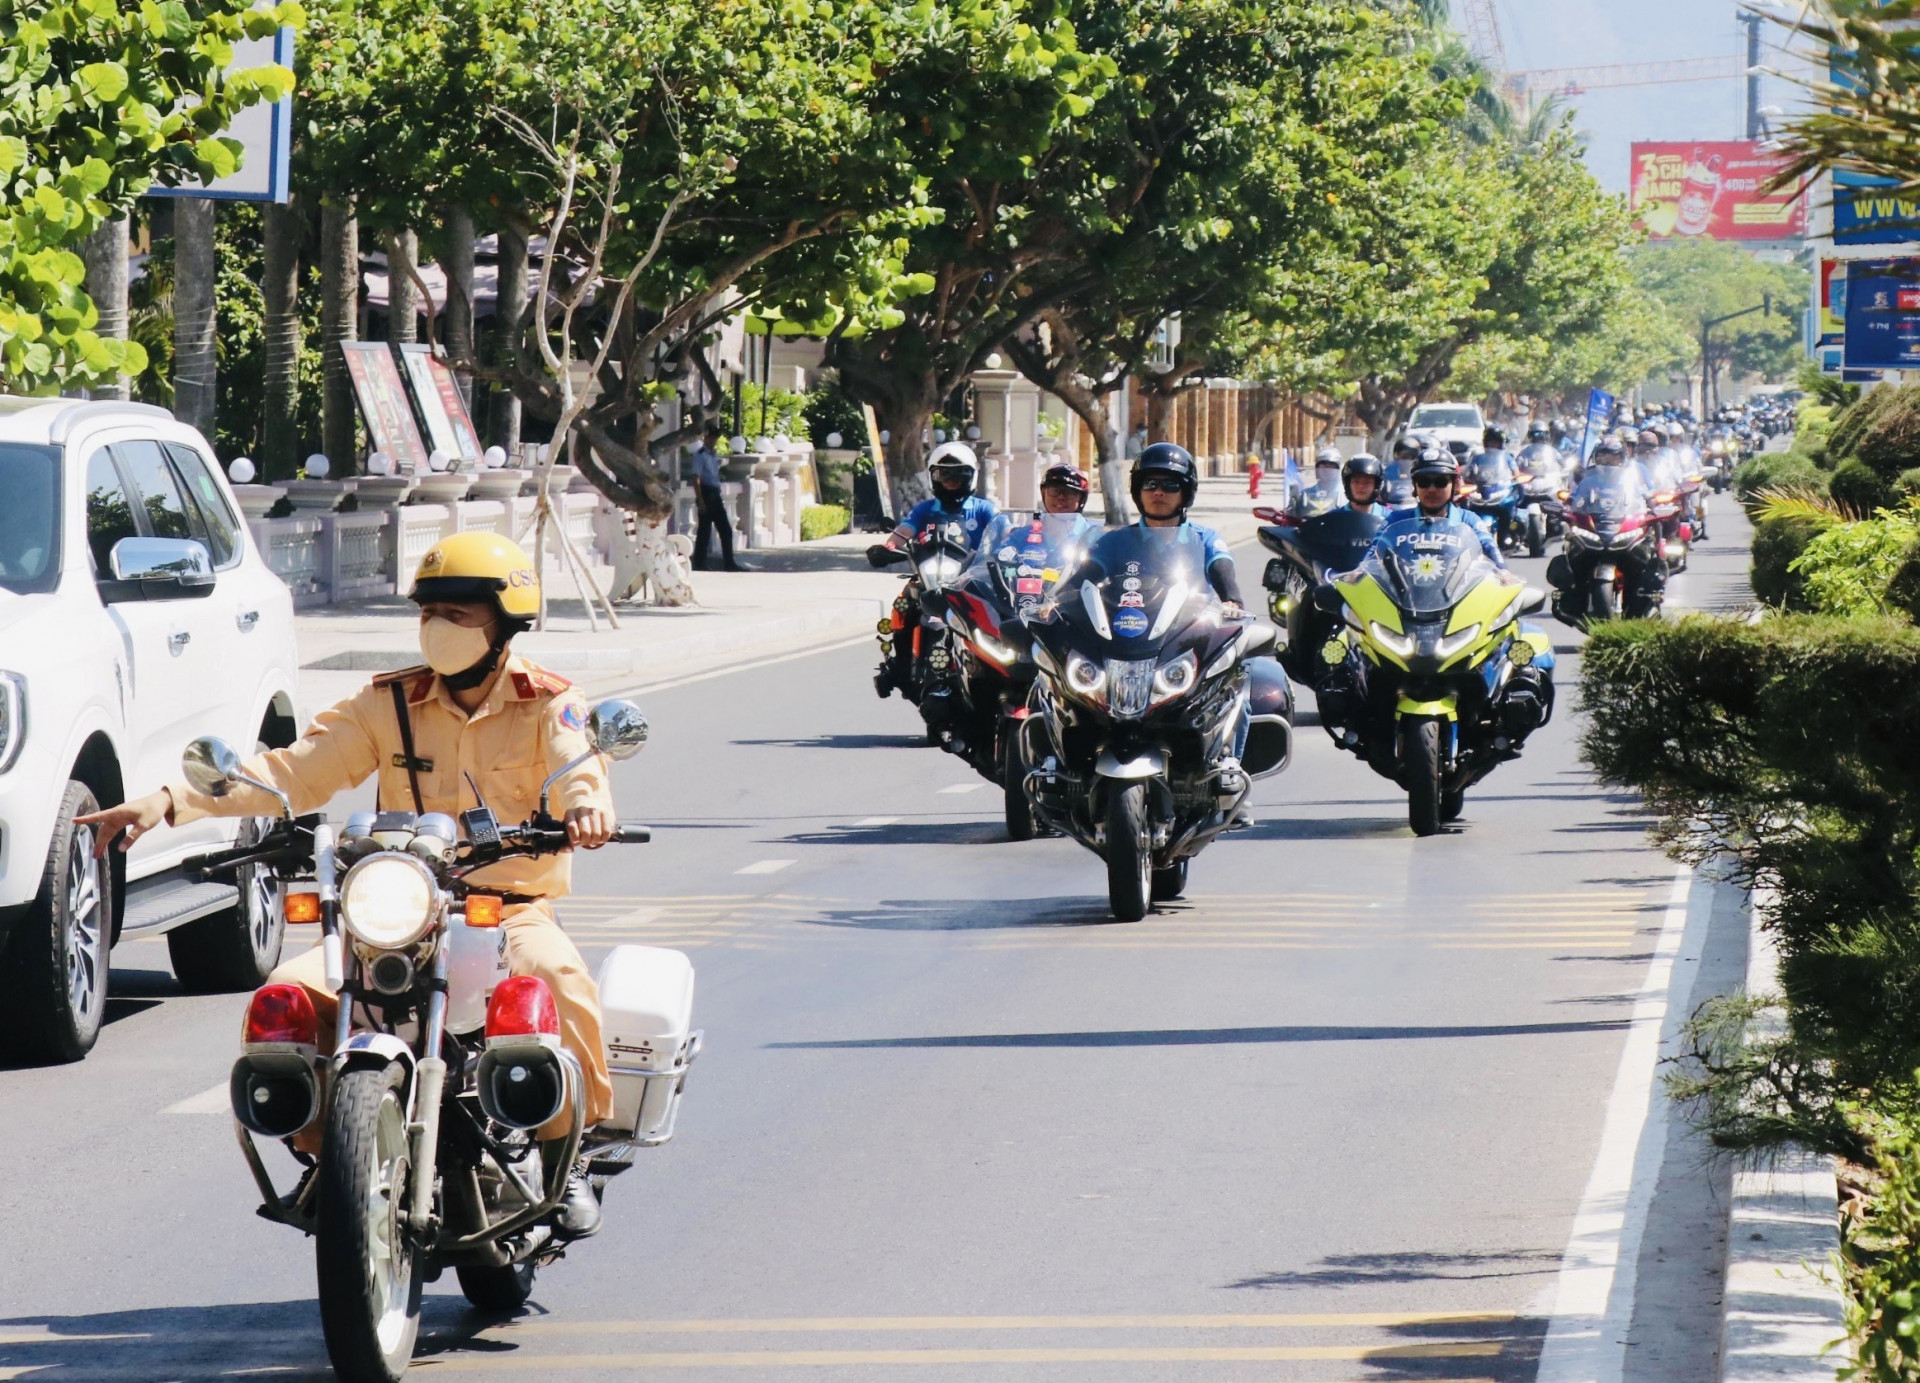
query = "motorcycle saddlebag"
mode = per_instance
[
  {"x": 646, "y": 1015},
  {"x": 1270, "y": 705}
]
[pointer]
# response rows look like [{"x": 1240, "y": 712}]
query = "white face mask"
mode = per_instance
[{"x": 452, "y": 648}]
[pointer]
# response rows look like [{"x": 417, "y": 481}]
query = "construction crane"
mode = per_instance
[
  {"x": 1482, "y": 28},
  {"x": 1527, "y": 86}
]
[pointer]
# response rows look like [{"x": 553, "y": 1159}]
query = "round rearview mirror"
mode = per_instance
[
  {"x": 211, "y": 766},
  {"x": 618, "y": 729}
]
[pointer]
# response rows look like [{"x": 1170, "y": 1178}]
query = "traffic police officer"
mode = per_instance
[{"x": 480, "y": 717}]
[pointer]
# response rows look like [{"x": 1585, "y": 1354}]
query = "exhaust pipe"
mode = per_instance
[{"x": 274, "y": 1094}]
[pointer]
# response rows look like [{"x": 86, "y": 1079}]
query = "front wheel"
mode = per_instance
[
  {"x": 1129, "y": 853},
  {"x": 235, "y": 949},
  {"x": 1425, "y": 774},
  {"x": 1536, "y": 535},
  {"x": 1604, "y": 601},
  {"x": 497, "y": 1289},
  {"x": 53, "y": 988},
  {"x": 1013, "y": 776},
  {"x": 369, "y": 1291}
]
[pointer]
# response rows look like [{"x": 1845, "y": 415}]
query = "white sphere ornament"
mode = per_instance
[
  {"x": 738, "y": 445},
  {"x": 973, "y": 432},
  {"x": 241, "y": 472},
  {"x": 782, "y": 443},
  {"x": 318, "y": 466},
  {"x": 835, "y": 440},
  {"x": 495, "y": 457},
  {"x": 939, "y": 435},
  {"x": 994, "y": 361},
  {"x": 380, "y": 463},
  {"x": 438, "y": 460},
  {"x": 763, "y": 445},
  {"x": 886, "y": 435}
]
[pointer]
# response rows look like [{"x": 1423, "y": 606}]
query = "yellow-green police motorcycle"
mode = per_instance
[{"x": 1432, "y": 678}]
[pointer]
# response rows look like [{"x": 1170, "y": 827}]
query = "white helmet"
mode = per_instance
[{"x": 951, "y": 457}]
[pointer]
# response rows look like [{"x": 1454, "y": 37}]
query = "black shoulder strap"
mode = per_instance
[{"x": 406, "y": 741}]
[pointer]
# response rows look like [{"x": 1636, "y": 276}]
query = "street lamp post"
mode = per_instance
[{"x": 1709, "y": 379}]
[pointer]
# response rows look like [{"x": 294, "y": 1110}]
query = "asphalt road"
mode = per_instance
[{"x": 1330, "y": 1118}]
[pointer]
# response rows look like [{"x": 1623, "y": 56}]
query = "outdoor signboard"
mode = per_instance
[
  {"x": 383, "y": 403},
  {"x": 1830, "y": 303},
  {"x": 1882, "y": 315},
  {"x": 1864, "y": 213},
  {"x": 1599, "y": 414},
  {"x": 263, "y": 130},
  {"x": 436, "y": 394},
  {"x": 1715, "y": 189}
]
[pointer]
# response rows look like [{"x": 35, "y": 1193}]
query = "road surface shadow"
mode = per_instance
[
  {"x": 129, "y": 992},
  {"x": 1209, "y": 1037},
  {"x": 1322, "y": 828},
  {"x": 1359, "y": 1269},
  {"x": 934, "y": 915},
  {"x": 846, "y": 741},
  {"x": 906, "y": 833}
]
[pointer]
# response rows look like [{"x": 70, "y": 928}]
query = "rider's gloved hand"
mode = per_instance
[
  {"x": 1232, "y": 609},
  {"x": 879, "y": 555}
]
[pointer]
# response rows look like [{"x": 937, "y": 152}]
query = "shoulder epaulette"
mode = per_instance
[{"x": 537, "y": 681}]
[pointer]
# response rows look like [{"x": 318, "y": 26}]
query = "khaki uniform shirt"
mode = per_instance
[{"x": 531, "y": 724}]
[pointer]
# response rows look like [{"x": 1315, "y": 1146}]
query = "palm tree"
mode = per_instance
[
  {"x": 195, "y": 267},
  {"x": 339, "y": 323},
  {"x": 285, "y": 228}
]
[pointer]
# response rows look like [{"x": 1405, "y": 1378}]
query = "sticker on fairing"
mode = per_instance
[
  {"x": 1029, "y": 585},
  {"x": 1007, "y": 554},
  {"x": 1130, "y": 624},
  {"x": 1132, "y": 583},
  {"x": 1132, "y": 600}
]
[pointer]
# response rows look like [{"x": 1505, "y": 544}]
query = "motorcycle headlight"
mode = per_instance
[
  {"x": 13, "y": 717},
  {"x": 1175, "y": 678},
  {"x": 1400, "y": 645},
  {"x": 387, "y": 901},
  {"x": 1455, "y": 643},
  {"x": 1085, "y": 678},
  {"x": 994, "y": 650}
]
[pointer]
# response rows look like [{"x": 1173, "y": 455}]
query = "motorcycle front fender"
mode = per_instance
[
  {"x": 1446, "y": 708},
  {"x": 374, "y": 1049},
  {"x": 1150, "y": 763}
]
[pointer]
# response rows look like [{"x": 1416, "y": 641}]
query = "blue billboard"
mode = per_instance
[{"x": 1883, "y": 315}]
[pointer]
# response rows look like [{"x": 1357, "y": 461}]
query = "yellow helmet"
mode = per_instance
[{"x": 476, "y": 568}]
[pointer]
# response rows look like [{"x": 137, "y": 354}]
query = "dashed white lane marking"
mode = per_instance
[
  {"x": 964, "y": 787},
  {"x": 876, "y": 821},
  {"x": 765, "y": 867},
  {"x": 212, "y": 1100}
]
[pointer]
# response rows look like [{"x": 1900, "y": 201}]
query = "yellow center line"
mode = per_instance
[{"x": 539, "y": 1365}]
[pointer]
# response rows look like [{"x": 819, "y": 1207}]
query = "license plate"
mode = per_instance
[{"x": 1606, "y": 573}]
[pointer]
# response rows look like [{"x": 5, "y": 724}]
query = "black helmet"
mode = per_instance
[
  {"x": 1406, "y": 448},
  {"x": 1493, "y": 439},
  {"x": 1167, "y": 458},
  {"x": 1608, "y": 451},
  {"x": 1362, "y": 464},
  {"x": 1538, "y": 432},
  {"x": 1066, "y": 477},
  {"x": 1437, "y": 461}
]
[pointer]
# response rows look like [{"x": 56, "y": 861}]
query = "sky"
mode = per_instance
[{"x": 1580, "y": 33}]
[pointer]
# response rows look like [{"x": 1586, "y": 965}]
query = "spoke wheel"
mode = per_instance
[
  {"x": 53, "y": 987},
  {"x": 1129, "y": 853},
  {"x": 369, "y": 1291}
]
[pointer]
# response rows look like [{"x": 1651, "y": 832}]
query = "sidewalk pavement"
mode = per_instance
[{"x": 791, "y": 599}]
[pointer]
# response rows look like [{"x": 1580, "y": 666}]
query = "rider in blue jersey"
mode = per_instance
[
  {"x": 1436, "y": 479},
  {"x": 953, "y": 469}
]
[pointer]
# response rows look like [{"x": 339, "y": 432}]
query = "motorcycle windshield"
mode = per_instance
[
  {"x": 941, "y": 556},
  {"x": 1607, "y": 493},
  {"x": 1340, "y": 540},
  {"x": 1152, "y": 584},
  {"x": 1429, "y": 566},
  {"x": 1022, "y": 559}
]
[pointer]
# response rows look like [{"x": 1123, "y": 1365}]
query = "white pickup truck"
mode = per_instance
[{"x": 135, "y": 615}]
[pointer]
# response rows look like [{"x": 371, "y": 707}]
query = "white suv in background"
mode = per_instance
[
  {"x": 135, "y": 615},
  {"x": 1450, "y": 424}
]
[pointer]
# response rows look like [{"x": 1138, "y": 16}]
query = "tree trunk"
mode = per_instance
[
  {"x": 510, "y": 320},
  {"x": 195, "y": 265},
  {"x": 460, "y": 298},
  {"x": 905, "y": 418},
  {"x": 403, "y": 299},
  {"x": 339, "y": 323},
  {"x": 285, "y": 229},
  {"x": 105, "y": 253}
]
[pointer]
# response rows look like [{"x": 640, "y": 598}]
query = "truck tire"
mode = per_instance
[
  {"x": 233, "y": 950},
  {"x": 54, "y": 988}
]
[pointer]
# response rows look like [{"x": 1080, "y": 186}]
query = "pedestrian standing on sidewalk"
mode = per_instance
[
  {"x": 713, "y": 510},
  {"x": 1136, "y": 442}
]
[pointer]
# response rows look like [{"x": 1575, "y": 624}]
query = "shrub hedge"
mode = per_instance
[{"x": 823, "y": 521}]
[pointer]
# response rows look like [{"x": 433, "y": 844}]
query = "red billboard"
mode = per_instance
[{"x": 1713, "y": 188}]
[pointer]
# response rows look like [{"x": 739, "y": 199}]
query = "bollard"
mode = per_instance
[{"x": 1253, "y": 480}]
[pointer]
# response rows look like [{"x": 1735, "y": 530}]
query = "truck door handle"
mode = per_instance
[
  {"x": 178, "y": 641},
  {"x": 246, "y": 619}
]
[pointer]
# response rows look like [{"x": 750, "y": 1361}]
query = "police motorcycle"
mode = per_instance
[
  {"x": 1432, "y": 679},
  {"x": 1612, "y": 563},
  {"x": 1542, "y": 474},
  {"x": 1717, "y": 462},
  {"x": 1307, "y": 555},
  {"x": 442, "y": 1066},
  {"x": 1142, "y": 689},
  {"x": 916, "y": 655},
  {"x": 1015, "y": 570}
]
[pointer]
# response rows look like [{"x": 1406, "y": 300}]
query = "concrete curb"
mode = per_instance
[{"x": 1784, "y": 1317}]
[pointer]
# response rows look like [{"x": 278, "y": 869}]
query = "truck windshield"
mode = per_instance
[{"x": 30, "y": 518}]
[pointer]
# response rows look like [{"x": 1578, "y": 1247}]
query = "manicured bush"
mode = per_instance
[
  {"x": 1851, "y": 424},
  {"x": 1790, "y": 749},
  {"x": 1777, "y": 470},
  {"x": 1907, "y": 483},
  {"x": 1777, "y": 544},
  {"x": 1891, "y": 443},
  {"x": 1849, "y": 568},
  {"x": 823, "y": 521},
  {"x": 1860, "y": 488}
]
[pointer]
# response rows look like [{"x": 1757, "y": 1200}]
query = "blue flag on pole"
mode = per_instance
[{"x": 1599, "y": 414}]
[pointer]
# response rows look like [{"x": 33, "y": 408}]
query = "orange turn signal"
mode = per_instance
[
  {"x": 300, "y": 908},
  {"x": 483, "y": 910}
]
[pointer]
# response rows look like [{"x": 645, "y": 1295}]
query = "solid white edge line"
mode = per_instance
[
  {"x": 1592, "y": 1300},
  {"x": 212, "y": 1100}
]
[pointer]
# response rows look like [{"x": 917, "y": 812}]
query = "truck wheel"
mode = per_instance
[
  {"x": 55, "y": 983},
  {"x": 236, "y": 949}
]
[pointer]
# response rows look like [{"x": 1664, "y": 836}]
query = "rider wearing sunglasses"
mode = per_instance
[{"x": 1436, "y": 480}]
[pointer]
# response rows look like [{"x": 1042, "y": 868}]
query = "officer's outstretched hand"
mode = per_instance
[
  {"x": 136, "y": 818},
  {"x": 589, "y": 828}
]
